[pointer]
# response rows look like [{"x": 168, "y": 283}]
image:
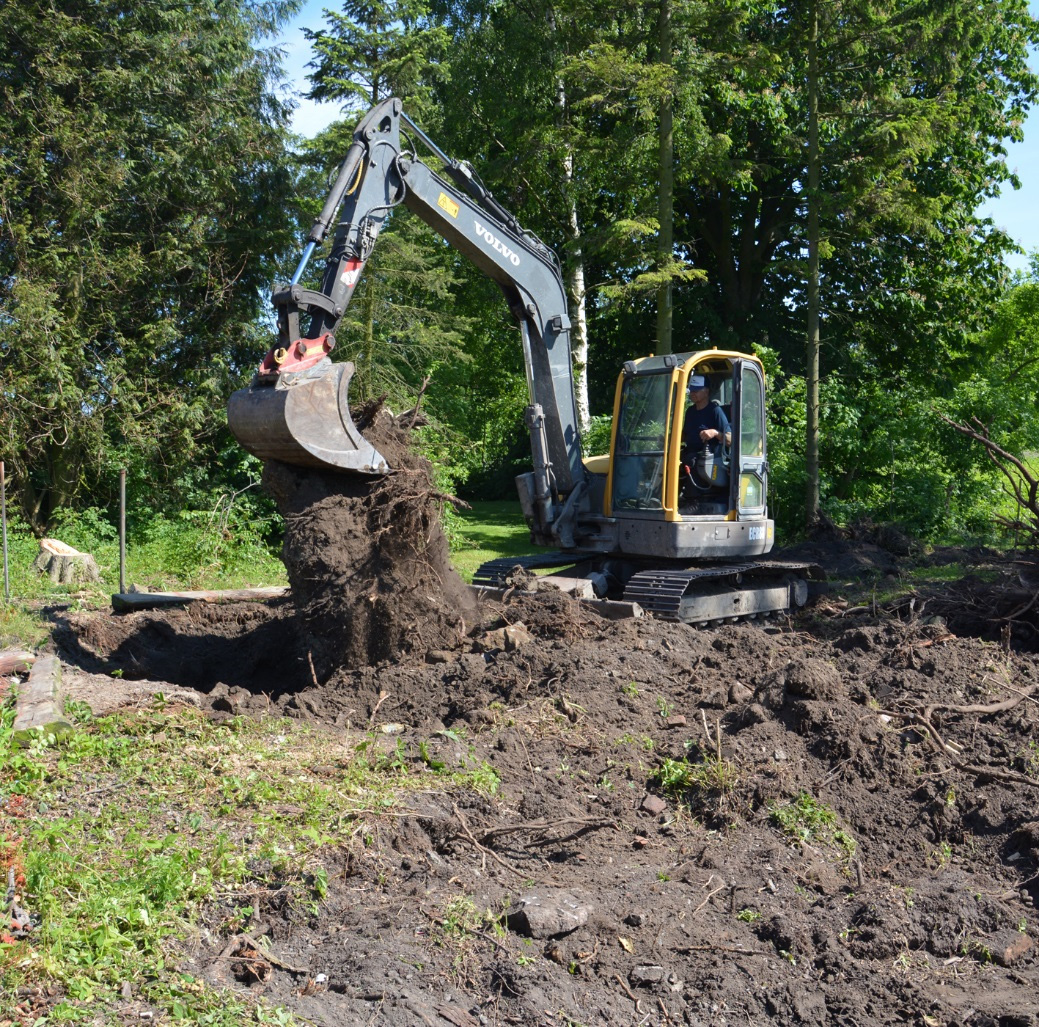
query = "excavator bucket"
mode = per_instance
[{"x": 304, "y": 419}]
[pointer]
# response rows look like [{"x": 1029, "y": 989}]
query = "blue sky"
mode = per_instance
[{"x": 1015, "y": 211}]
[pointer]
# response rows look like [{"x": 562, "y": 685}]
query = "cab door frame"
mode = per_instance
[{"x": 748, "y": 470}]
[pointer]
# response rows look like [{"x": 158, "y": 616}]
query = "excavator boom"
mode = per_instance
[{"x": 297, "y": 408}]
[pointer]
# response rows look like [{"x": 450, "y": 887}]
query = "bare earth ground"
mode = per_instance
[{"x": 632, "y": 902}]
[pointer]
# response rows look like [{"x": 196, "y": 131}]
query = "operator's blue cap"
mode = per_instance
[{"x": 699, "y": 381}]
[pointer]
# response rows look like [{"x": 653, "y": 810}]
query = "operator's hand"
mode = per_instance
[{"x": 708, "y": 434}]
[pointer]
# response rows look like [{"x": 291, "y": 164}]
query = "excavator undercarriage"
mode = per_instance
[{"x": 704, "y": 594}]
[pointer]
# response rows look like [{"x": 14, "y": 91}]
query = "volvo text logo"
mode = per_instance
[{"x": 513, "y": 258}]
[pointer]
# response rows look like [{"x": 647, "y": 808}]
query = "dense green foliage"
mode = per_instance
[
  {"x": 148, "y": 200},
  {"x": 557, "y": 104},
  {"x": 143, "y": 185}
]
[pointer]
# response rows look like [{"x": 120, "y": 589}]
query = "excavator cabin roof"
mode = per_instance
[{"x": 711, "y": 361}]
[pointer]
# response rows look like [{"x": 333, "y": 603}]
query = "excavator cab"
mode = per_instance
[{"x": 650, "y": 478}]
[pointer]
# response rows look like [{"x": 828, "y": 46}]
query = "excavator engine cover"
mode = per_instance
[{"x": 304, "y": 419}]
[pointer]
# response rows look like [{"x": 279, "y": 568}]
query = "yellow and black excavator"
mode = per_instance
[{"x": 683, "y": 536}]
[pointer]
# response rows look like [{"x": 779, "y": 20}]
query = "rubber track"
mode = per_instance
[
  {"x": 495, "y": 573},
  {"x": 660, "y": 591}
]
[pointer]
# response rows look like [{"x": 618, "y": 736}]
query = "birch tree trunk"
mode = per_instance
[
  {"x": 665, "y": 241},
  {"x": 574, "y": 262},
  {"x": 575, "y": 289}
]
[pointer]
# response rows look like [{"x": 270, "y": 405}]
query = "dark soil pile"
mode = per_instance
[
  {"x": 828, "y": 821},
  {"x": 368, "y": 560},
  {"x": 1002, "y": 606}
]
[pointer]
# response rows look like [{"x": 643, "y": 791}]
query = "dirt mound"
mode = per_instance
[
  {"x": 368, "y": 560},
  {"x": 742, "y": 825},
  {"x": 1001, "y": 606},
  {"x": 827, "y": 820}
]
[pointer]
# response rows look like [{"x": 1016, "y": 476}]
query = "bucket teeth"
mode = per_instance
[{"x": 304, "y": 419}]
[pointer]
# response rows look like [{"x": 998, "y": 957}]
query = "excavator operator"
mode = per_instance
[{"x": 705, "y": 432}]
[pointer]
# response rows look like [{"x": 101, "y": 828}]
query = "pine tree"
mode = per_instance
[{"x": 143, "y": 185}]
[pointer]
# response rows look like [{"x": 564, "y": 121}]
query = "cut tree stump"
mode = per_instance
[{"x": 65, "y": 565}]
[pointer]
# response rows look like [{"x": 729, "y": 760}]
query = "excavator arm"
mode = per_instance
[{"x": 297, "y": 408}]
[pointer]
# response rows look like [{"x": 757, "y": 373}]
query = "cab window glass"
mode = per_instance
[
  {"x": 752, "y": 416},
  {"x": 642, "y": 437}
]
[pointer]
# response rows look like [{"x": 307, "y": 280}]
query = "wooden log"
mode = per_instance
[
  {"x": 15, "y": 661},
  {"x": 38, "y": 706},
  {"x": 65, "y": 565},
  {"x": 127, "y": 602}
]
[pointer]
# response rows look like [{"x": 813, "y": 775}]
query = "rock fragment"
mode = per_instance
[
  {"x": 654, "y": 804},
  {"x": 646, "y": 974},
  {"x": 1008, "y": 947},
  {"x": 542, "y": 915}
]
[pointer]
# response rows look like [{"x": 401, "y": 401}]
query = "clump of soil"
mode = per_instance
[{"x": 368, "y": 561}]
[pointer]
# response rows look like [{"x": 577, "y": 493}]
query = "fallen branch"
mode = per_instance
[
  {"x": 412, "y": 414},
  {"x": 710, "y": 895},
  {"x": 686, "y": 949},
  {"x": 583, "y": 830},
  {"x": 922, "y": 718},
  {"x": 231, "y": 951},
  {"x": 1024, "y": 485},
  {"x": 627, "y": 990},
  {"x": 16, "y": 661},
  {"x": 584, "y": 823}
]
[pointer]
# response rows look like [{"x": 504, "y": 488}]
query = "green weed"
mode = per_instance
[
  {"x": 643, "y": 742},
  {"x": 705, "y": 786},
  {"x": 712, "y": 775},
  {"x": 806, "y": 819}
]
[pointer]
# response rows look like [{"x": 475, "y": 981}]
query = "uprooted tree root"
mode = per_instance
[
  {"x": 999, "y": 611},
  {"x": 368, "y": 561}
]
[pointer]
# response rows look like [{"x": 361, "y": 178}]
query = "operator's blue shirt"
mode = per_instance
[{"x": 712, "y": 416}]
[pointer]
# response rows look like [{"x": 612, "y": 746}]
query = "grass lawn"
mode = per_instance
[{"x": 486, "y": 531}]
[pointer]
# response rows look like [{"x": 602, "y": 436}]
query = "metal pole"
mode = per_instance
[
  {"x": 3, "y": 519},
  {"x": 122, "y": 531}
]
